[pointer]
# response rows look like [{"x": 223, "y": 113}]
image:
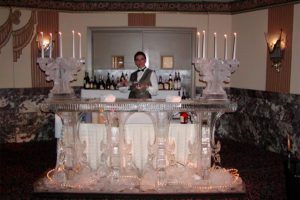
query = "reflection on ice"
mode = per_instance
[{"x": 176, "y": 179}]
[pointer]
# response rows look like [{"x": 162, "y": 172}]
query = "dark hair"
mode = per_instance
[{"x": 139, "y": 53}]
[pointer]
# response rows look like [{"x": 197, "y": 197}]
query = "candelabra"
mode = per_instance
[
  {"x": 62, "y": 71},
  {"x": 215, "y": 72}
]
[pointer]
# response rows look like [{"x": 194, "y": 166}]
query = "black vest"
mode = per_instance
[{"x": 145, "y": 79}]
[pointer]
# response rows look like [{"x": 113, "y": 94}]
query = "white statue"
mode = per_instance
[
  {"x": 215, "y": 72},
  {"x": 62, "y": 71}
]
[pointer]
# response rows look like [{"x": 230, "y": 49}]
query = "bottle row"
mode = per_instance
[
  {"x": 114, "y": 83},
  {"x": 171, "y": 83},
  {"x": 109, "y": 84}
]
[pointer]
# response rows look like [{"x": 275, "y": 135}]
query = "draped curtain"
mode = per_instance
[{"x": 47, "y": 23}]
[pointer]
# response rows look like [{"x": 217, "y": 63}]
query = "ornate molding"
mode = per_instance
[
  {"x": 157, "y": 5},
  {"x": 22, "y": 36}
]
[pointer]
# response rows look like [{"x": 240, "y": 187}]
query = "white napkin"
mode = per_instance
[
  {"x": 123, "y": 89},
  {"x": 173, "y": 99},
  {"x": 108, "y": 98}
]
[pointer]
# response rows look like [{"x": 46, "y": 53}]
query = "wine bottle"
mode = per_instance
[
  {"x": 170, "y": 82},
  {"x": 112, "y": 83},
  {"x": 108, "y": 82},
  {"x": 95, "y": 82},
  {"x": 122, "y": 78},
  {"x": 178, "y": 81},
  {"x": 92, "y": 83},
  {"x": 118, "y": 83},
  {"x": 86, "y": 81},
  {"x": 166, "y": 85},
  {"x": 160, "y": 83},
  {"x": 102, "y": 84},
  {"x": 183, "y": 95},
  {"x": 175, "y": 82}
]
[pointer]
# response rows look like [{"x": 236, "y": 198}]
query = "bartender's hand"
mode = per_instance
[{"x": 140, "y": 86}]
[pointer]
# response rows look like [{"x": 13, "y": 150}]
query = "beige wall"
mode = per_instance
[
  {"x": 295, "y": 73},
  {"x": 251, "y": 46},
  {"x": 15, "y": 74},
  {"x": 251, "y": 49},
  {"x": 68, "y": 22},
  {"x": 80, "y": 22},
  {"x": 209, "y": 22}
]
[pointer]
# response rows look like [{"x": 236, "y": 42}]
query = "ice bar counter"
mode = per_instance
[{"x": 121, "y": 156}]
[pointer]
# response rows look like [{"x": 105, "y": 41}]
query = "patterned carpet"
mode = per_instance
[{"x": 22, "y": 164}]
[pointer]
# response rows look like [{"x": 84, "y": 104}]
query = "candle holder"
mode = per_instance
[
  {"x": 215, "y": 72},
  {"x": 62, "y": 71}
]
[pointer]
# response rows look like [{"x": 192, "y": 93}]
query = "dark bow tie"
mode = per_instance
[{"x": 141, "y": 70}]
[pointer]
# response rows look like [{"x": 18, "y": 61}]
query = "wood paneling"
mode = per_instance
[
  {"x": 141, "y": 19},
  {"x": 47, "y": 23},
  {"x": 280, "y": 18}
]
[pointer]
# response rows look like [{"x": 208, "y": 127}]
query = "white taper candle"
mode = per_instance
[
  {"x": 234, "y": 45},
  {"x": 79, "y": 34},
  {"x": 73, "y": 44},
  {"x": 198, "y": 44},
  {"x": 203, "y": 45},
  {"x": 42, "y": 44},
  {"x": 225, "y": 53},
  {"x": 50, "y": 44},
  {"x": 215, "y": 45},
  {"x": 60, "y": 45}
]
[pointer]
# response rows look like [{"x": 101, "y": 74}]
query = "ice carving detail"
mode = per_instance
[
  {"x": 62, "y": 71},
  {"x": 215, "y": 72}
]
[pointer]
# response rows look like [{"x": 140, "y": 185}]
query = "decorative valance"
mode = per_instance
[
  {"x": 234, "y": 6},
  {"x": 6, "y": 28},
  {"x": 5, "y": 31},
  {"x": 22, "y": 36}
]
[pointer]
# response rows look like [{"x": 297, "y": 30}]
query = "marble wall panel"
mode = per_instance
[{"x": 264, "y": 119}]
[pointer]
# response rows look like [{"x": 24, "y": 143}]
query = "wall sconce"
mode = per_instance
[
  {"x": 276, "y": 46},
  {"x": 44, "y": 42}
]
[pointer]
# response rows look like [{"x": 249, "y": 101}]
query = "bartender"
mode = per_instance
[{"x": 143, "y": 81}]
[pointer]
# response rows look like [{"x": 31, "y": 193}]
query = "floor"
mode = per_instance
[{"x": 22, "y": 164}]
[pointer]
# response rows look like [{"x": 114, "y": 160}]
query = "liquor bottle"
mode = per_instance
[
  {"x": 175, "y": 81},
  {"x": 171, "y": 85},
  {"x": 122, "y": 78},
  {"x": 118, "y": 83},
  {"x": 102, "y": 84},
  {"x": 166, "y": 85},
  {"x": 95, "y": 82},
  {"x": 184, "y": 118},
  {"x": 126, "y": 77},
  {"x": 108, "y": 82},
  {"x": 92, "y": 83},
  {"x": 160, "y": 83},
  {"x": 178, "y": 81},
  {"x": 86, "y": 81},
  {"x": 183, "y": 94},
  {"x": 98, "y": 82},
  {"x": 113, "y": 85}
]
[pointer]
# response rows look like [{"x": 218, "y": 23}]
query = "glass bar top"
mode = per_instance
[{"x": 136, "y": 105}]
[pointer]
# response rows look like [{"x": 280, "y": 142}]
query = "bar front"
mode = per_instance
[{"x": 159, "y": 153}]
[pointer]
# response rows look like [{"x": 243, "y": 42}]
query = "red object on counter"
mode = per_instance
[{"x": 184, "y": 118}]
